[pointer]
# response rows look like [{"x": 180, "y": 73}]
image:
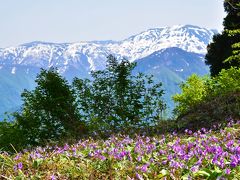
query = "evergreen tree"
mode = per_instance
[
  {"x": 233, "y": 23},
  {"x": 223, "y": 52}
]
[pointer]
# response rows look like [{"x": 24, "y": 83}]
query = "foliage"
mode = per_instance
[
  {"x": 226, "y": 82},
  {"x": 210, "y": 100},
  {"x": 115, "y": 98},
  {"x": 55, "y": 111},
  {"x": 205, "y": 154},
  {"x": 232, "y": 24},
  {"x": 235, "y": 57},
  {"x": 49, "y": 112},
  {"x": 223, "y": 52},
  {"x": 211, "y": 111},
  {"x": 194, "y": 90},
  {"x": 218, "y": 51},
  {"x": 10, "y": 136}
]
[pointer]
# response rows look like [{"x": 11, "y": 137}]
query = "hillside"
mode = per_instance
[
  {"x": 205, "y": 154},
  {"x": 214, "y": 110}
]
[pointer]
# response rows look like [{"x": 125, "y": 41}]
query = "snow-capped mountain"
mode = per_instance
[
  {"x": 19, "y": 65},
  {"x": 42, "y": 54}
]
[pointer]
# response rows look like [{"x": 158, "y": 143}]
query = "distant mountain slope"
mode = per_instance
[
  {"x": 180, "y": 62},
  {"x": 172, "y": 66},
  {"x": 19, "y": 65},
  {"x": 12, "y": 83}
]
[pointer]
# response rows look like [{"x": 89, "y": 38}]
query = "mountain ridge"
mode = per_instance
[
  {"x": 189, "y": 38},
  {"x": 78, "y": 59}
]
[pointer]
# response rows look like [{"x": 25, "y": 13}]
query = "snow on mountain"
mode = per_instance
[
  {"x": 169, "y": 53},
  {"x": 92, "y": 55},
  {"x": 189, "y": 38}
]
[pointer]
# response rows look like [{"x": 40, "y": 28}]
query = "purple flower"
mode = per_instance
[
  {"x": 230, "y": 143},
  {"x": 199, "y": 162},
  {"x": 203, "y": 130},
  {"x": 53, "y": 177},
  {"x": 66, "y": 147},
  {"x": 38, "y": 155},
  {"x": 129, "y": 156},
  {"x": 228, "y": 171},
  {"x": 170, "y": 157},
  {"x": 147, "y": 139},
  {"x": 237, "y": 149},
  {"x": 174, "y": 133},
  {"x": 102, "y": 157},
  {"x": 144, "y": 168},
  {"x": 139, "y": 158},
  {"x": 176, "y": 164},
  {"x": 161, "y": 152},
  {"x": 164, "y": 162},
  {"x": 74, "y": 149},
  {"x": 234, "y": 161},
  {"x": 122, "y": 154},
  {"x": 17, "y": 157},
  {"x": 20, "y": 165},
  {"x": 139, "y": 177},
  {"x": 194, "y": 168}
]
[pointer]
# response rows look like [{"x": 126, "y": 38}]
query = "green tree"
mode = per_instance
[
  {"x": 207, "y": 101},
  {"x": 194, "y": 91},
  {"x": 224, "y": 51},
  {"x": 199, "y": 90},
  {"x": 115, "y": 98},
  {"x": 228, "y": 81},
  {"x": 49, "y": 111}
]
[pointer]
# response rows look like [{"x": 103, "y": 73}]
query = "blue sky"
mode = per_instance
[{"x": 23, "y": 21}]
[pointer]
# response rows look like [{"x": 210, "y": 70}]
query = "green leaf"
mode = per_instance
[
  {"x": 202, "y": 173},
  {"x": 163, "y": 173},
  {"x": 37, "y": 163},
  {"x": 217, "y": 170},
  {"x": 185, "y": 177}
]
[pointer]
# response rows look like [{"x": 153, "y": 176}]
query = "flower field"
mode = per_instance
[{"x": 205, "y": 154}]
